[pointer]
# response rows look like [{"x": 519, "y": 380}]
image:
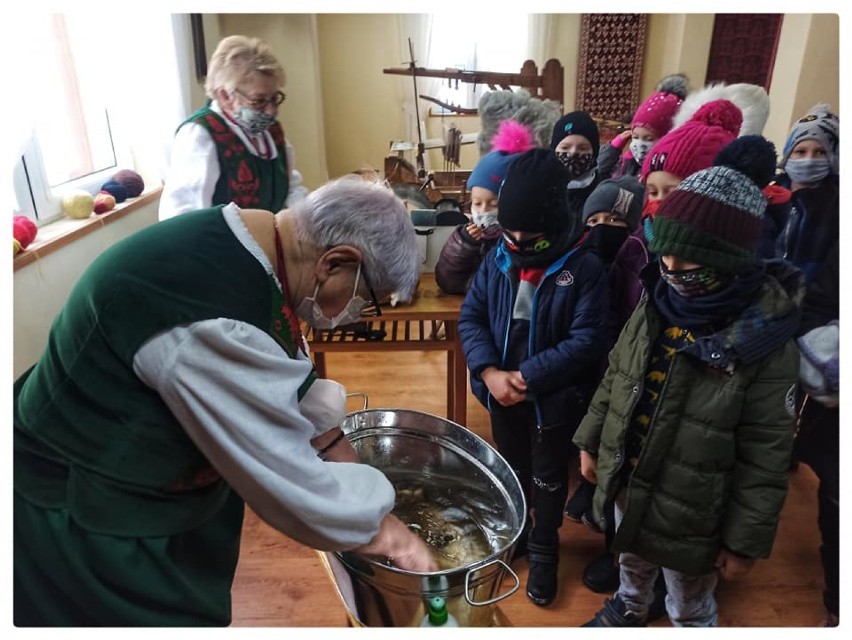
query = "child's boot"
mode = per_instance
[{"x": 543, "y": 573}]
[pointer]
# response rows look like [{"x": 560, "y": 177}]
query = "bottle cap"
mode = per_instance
[{"x": 437, "y": 611}]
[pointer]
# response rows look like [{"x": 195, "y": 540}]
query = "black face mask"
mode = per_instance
[
  {"x": 537, "y": 252},
  {"x": 606, "y": 240},
  {"x": 530, "y": 247}
]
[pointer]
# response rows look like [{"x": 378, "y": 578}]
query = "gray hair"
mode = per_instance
[
  {"x": 369, "y": 216},
  {"x": 235, "y": 59}
]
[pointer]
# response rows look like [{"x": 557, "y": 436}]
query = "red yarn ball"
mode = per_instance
[
  {"x": 131, "y": 181},
  {"x": 24, "y": 230},
  {"x": 104, "y": 201}
]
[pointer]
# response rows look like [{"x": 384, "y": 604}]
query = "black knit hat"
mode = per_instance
[
  {"x": 577, "y": 123},
  {"x": 534, "y": 195}
]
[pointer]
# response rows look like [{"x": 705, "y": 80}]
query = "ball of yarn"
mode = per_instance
[
  {"x": 78, "y": 204},
  {"x": 131, "y": 181},
  {"x": 116, "y": 189},
  {"x": 104, "y": 201},
  {"x": 24, "y": 230}
]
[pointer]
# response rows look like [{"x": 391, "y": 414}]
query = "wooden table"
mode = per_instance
[{"x": 428, "y": 323}]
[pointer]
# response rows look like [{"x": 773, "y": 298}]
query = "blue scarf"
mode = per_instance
[{"x": 747, "y": 320}]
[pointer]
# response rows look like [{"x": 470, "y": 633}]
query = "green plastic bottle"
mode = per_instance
[{"x": 437, "y": 614}]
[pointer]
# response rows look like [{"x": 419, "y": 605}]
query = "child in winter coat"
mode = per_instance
[
  {"x": 532, "y": 326},
  {"x": 610, "y": 214},
  {"x": 652, "y": 120},
  {"x": 462, "y": 254},
  {"x": 811, "y": 162},
  {"x": 690, "y": 432}
]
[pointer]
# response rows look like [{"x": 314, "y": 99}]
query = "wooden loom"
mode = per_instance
[{"x": 437, "y": 185}]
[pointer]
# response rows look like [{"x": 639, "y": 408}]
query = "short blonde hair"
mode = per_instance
[{"x": 235, "y": 59}]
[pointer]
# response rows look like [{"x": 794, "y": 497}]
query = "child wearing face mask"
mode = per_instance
[
  {"x": 652, "y": 120},
  {"x": 611, "y": 213},
  {"x": 462, "y": 254},
  {"x": 681, "y": 152},
  {"x": 576, "y": 142},
  {"x": 810, "y": 164},
  {"x": 690, "y": 433},
  {"x": 532, "y": 326}
]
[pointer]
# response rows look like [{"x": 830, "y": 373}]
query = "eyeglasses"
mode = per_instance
[
  {"x": 261, "y": 103},
  {"x": 374, "y": 309}
]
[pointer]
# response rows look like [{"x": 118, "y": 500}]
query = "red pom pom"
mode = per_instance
[
  {"x": 512, "y": 137},
  {"x": 24, "y": 230},
  {"x": 720, "y": 113}
]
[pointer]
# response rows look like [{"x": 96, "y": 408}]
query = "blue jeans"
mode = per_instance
[{"x": 690, "y": 601}]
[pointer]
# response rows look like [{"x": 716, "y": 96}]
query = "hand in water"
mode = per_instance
[{"x": 404, "y": 548}]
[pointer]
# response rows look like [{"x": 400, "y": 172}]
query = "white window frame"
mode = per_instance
[{"x": 28, "y": 192}]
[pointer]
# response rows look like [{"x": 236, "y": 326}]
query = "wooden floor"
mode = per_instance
[{"x": 280, "y": 583}]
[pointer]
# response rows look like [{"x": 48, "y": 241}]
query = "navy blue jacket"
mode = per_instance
[
  {"x": 813, "y": 226},
  {"x": 567, "y": 330}
]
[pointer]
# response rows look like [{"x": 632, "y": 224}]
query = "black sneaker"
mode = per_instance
[
  {"x": 580, "y": 502},
  {"x": 601, "y": 574},
  {"x": 615, "y": 614}
]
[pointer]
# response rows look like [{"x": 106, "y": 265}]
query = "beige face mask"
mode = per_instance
[{"x": 311, "y": 312}]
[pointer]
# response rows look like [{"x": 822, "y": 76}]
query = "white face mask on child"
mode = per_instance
[
  {"x": 485, "y": 219},
  {"x": 639, "y": 149}
]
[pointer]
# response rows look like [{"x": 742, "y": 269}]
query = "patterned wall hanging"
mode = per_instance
[
  {"x": 743, "y": 48},
  {"x": 612, "y": 54}
]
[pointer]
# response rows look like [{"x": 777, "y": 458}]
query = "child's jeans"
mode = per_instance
[{"x": 690, "y": 601}]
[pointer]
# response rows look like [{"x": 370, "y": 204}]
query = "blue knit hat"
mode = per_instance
[{"x": 490, "y": 171}]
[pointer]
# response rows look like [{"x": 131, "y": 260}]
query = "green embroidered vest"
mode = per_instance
[
  {"x": 89, "y": 435},
  {"x": 246, "y": 179}
]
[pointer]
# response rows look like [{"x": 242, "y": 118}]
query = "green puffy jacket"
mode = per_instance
[{"x": 713, "y": 471}]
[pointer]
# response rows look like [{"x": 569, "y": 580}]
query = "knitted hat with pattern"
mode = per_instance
[
  {"x": 713, "y": 218},
  {"x": 693, "y": 145},
  {"x": 818, "y": 124},
  {"x": 622, "y": 195},
  {"x": 577, "y": 123},
  {"x": 658, "y": 110}
]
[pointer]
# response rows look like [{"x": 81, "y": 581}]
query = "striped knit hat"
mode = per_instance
[{"x": 714, "y": 217}]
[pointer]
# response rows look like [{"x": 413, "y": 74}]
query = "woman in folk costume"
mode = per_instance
[{"x": 233, "y": 149}]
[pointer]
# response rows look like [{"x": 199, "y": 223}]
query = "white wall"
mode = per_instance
[{"x": 42, "y": 287}]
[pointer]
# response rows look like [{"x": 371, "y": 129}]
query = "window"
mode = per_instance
[
  {"x": 90, "y": 99},
  {"x": 498, "y": 43}
]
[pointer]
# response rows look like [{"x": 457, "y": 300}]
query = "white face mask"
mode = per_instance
[
  {"x": 485, "y": 219},
  {"x": 639, "y": 149},
  {"x": 254, "y": 121},
  {"x": 311, "y": 312}
]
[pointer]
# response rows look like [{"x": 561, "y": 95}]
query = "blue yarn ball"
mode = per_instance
[{"x": 116, "y": 189}]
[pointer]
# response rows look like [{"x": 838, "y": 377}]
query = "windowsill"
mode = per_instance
[{"x": 55, "y": 235}]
